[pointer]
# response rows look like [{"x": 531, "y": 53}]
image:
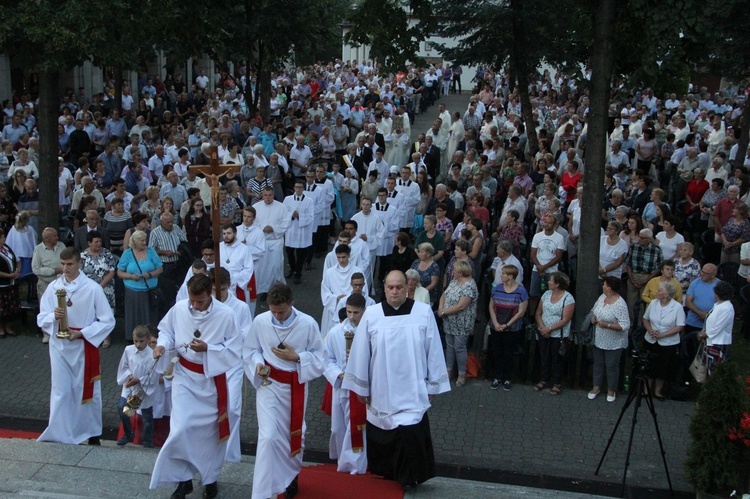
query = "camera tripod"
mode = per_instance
[{"x": 640, "y": 391}]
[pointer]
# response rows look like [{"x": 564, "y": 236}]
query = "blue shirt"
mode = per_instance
[
  {"x": 128, "y": 264},
  {"x": 703, "y": 298}
]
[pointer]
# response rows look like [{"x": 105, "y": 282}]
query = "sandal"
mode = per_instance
[
  {"x": 555, "y": 390},
  {"x": 539, "y": 386}
]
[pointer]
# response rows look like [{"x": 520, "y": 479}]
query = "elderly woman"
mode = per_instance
[
  {"x": 254, "y": 187},
  {"x": 99, "y": 265},
  {"x": 460, "y": 254},
  {"x": 139, "y": 268},
  {"x": 10, "y": 270},
  {"x": 349, "y": 189},
  {"x": 458, "y": 309},
  {"x": 664, "y": 320},
  {"x": 710, "y": 199},
  {"x": 696, "y": 188},
  {"x": 429, "y": 271},
  {"x": 507, "y": 308},
  {"x": 512, "y": 231},
  {"x": 414, "y": 289},
  {"x": 434, "y": 237},
  {"x": 735, "y": 232},
  {"x": 275, "y": 174},
  {"x": 569, "y": 181},
  {"x": 403, "y": 255},
  {"x": 609, "y": 209},
  {"x": 717, "y": 330},
  {"x": 117, "y": 221},
  {"x": 443, "y": 224},
  {"x": 612, "y": 323},
  {"x": 23, "y": 163},
  {"x": 228, "y": 206},
  {"x": 553, "y": 316},
  {"x": 328, "y": 143},
  {"x": 650, "y": 290},
  {"x": 686, "y": 269}
]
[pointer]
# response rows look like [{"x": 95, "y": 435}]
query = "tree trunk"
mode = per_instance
[
  {"x": 264, "y": 85},
  {"x": 49, "y": 97},
  {"x": 118, "y": 91},
  {"x": 521, "y": 69},
  {"x": 603, "y": 17}
]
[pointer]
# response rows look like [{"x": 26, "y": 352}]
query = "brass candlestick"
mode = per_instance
[
  {"x": 349, "y": 337},
  {"x": 62, "y": 332}
]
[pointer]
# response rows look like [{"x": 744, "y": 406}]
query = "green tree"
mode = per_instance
[{"x": 393, "y": 29}]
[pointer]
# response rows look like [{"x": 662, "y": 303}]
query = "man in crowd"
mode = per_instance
[{"x": 299, "y": 238}]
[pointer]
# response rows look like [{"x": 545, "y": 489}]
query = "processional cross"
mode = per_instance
[{"x": 213, "y": 171}]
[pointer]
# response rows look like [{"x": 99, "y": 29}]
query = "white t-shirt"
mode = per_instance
[
  {"x": 663, "y": 319},
  {"x": 610, "y": 254},
  {"x": 669, "y": 246},
  {"x": 546, "y": 248}
]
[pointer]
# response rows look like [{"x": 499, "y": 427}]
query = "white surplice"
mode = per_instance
[
  {"x": 238, "y": 260},
  {"x": 243, "y": 320},
  {"x": 193, "y": 444},
  {"x": 411, "y": 197},
  {"x": 342, "y": 302},
  {"x": 336, "y": 281},
  {"x": 359, "y": 256},
  {"x": 389, "y": 215},
  {"x": 340, "y": 444},
  {"x": 71, "y": 421},
  {"x": 397, "y": 361},
  {"x": 254, "y": 239},
  {"x": 271, "y": 264},
  {"x": 301, "y": 229},
  {"x": 372, "y": 227},
  {"x": 274, "y": 467},
  {"x": 398, "y": 151},
  {"x": 323, "y": 200},
  {"x": 138, "y": 364}
]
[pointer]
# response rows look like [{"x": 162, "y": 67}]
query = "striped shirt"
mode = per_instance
[{"x": 167, "y": 241}]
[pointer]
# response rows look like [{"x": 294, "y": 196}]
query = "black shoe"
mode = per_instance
[
  {"x": 409, "y": 487},
  {"x": 95, "y": 441},
  {"x": 292, "y": 489},
  {"x": 126, "y": 438},
  {"x": 297, "y": 280},
  {"x": 308, "y": 266},
  {"x": 183, "y": 489},
  {"x": 289, "y": 274},
  {"x": 210, "y": 491}
]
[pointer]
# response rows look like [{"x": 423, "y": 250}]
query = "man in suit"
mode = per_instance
[
  {"x": 419, "y": 142},
  {"x": 350, "y": 159},
  {"x": 430, "y": 155},
  {"x": 92, "y": 224},
  {"x": 372, "y": 130},
  {"x": 467, "y": 142}
]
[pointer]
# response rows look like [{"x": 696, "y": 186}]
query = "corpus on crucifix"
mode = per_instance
[{"x": 213, "y": 171}]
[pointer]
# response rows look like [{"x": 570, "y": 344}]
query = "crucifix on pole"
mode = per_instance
[{"x": 212, "y": 173}]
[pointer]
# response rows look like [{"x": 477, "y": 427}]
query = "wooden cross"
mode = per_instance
[{"x": 213, "y": 171}]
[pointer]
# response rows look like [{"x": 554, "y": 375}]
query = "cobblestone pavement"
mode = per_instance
[{"x": 495, "y": 433}]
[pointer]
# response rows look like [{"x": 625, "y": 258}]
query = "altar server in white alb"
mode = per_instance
[
  {"x": 335, "y": 285},
  {"x": 251, "y": 235},
  {"x": 285, "y": 345},
  {"x": 348, "y": 414},
  {"x": 358, "y": 288},
  {"x": 370, "y": 229},
  {"x": 243, "y": 320},
  {"x": 359, "y": 255},
  {"x": 408, "y": 190},
  {"x": 389, "y": 215},
  {"x": 204, "y": 333},
  {"x": 236, "y": 258},
  {"x": 299, "y": 237},
  {"x": 273, "y": 219},
  {"x": 75, "y": 412},
  {"x": 396, "y": 363}
]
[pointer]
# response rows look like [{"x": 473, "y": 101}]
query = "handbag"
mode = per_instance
[
  {"x": 155, "y": 295},
  {"x": 699, "y": 366},
  {"x": 587, "y": 330}
]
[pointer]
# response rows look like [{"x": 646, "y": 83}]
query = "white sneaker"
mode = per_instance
[
  {"x": 611, "y": 398},
  {"x": 593, "y": 395},
  {"x": 45, "y": 340}
]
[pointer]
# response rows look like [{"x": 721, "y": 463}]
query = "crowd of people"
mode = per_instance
[{"x": 429, "y": 227}]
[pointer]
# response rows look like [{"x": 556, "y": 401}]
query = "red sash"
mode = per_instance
[
  {"x": 326, "y": 405},
  {"x": 298, "y": 405},
  {"x": 91, "y": 369},
  {"x": 357, "y": 422},
  {"x": 252, "y": 289},
  {"x": 222, "y": 398}
]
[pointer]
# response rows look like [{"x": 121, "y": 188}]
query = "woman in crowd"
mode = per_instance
[
  {"x": 569, "y": 181},
  {"x": 23, "y": 163},
  {"x": 234, "y": 192},
  {"x": 651, "y": 289},
  {"x": 167, "y": 206},
  {"x": 609, "y": 210},
  {"x": 444, "y": 224},
  {"x": 735, "y": 232},
  {"x": 403, "y": 255},
  {"x": 458, "y": 309},
  {"x": 152, "y": 206},
  {"x": 631, "y": 230},
  {"x": 431, "y": 235},
  {"x": 645, "y": 150},
  {"x": 99, "y": 265},
  {"x": 612, "y": 324},
  {"x": 140, "y": 222},
  {"x": 228, "y": 206},
  {"x": 664, "y": 320},
  {"x": 710, "y": 199},
  {"x": 8, "y": 210},
  {"x": 553, "y": 316},
  {"x": 255, "y": 186},
  {"x": 507, "y": 309},
  {"x": 22, "y": 240},
  {"x": 16, "y": 188},
  {"x": 476, "y": 241},
  {"x": 349, "y": 190},
  {"x": 696, "y": 188},
  {"x": 686, "y": 269},
  {"x": 139, "y": 268},
  {"x": 414, "y": 289},
  {"x": 717, "y": 330},
  {"x": 274, "y": 173},
  {"x": 117, "y": 221},
  {"x": 429, "y": 271},
  {"x": 425, "y": 192},
  {"x": 512, "y": 231},
  {"x": 668, "y": 239},
  {"x": 10, "y": 270},
  {"x": 612, "y": 252},
  {"x": 197, "y": 225},
  {"x": 328, "y": 144},
  {"x": 656, "y": 224},
  {"x": 460, "y": 254},
  {"x": 649, "y": 212}
]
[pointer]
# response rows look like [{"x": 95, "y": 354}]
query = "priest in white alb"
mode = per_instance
[
  {"x": 286, "y": 347},
  {"x": 273, "y": 219},
  {"x": 253, "y": 237},
  {"x": 299, "y": 238},
  {"x": 203, "y": 332},
  {"x": 395, "y": 365},
  {"x": 370, "y": 229},
  {"x": 75, "y": 412},
  {"x": 335, "y": 285},
  {"x": 237, "y": 259},
  {"x": 389, "y": 215}
]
